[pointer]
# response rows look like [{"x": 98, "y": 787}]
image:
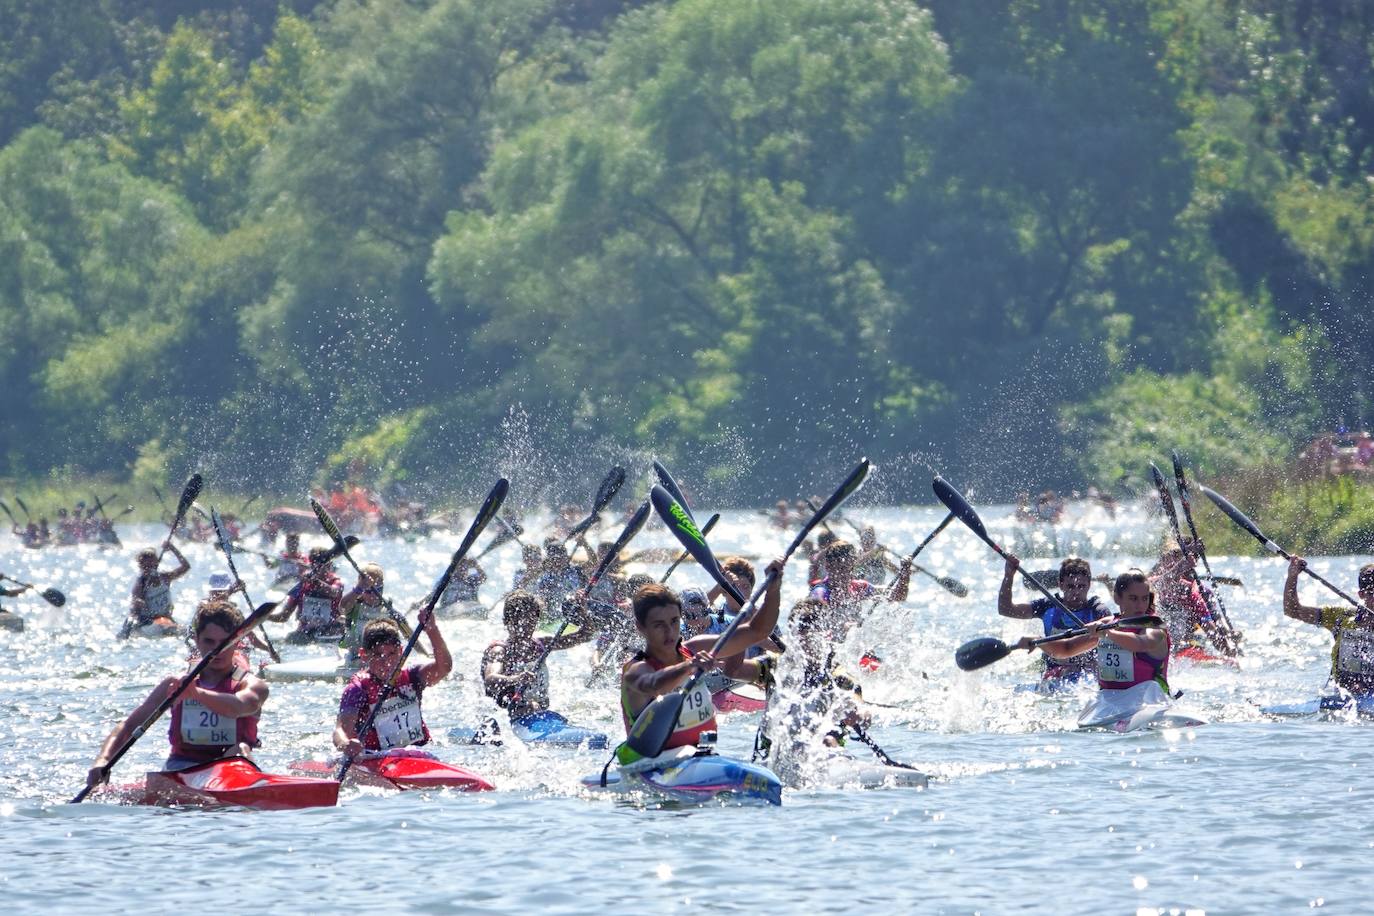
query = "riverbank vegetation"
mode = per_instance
[{"x": 1032, "y": 243}]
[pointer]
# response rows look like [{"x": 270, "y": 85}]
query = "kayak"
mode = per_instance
[
  {"x": 546, "y": 729},
  {"x": 688, "y": 775},
  {"x": 1198, "y": 655},
  {"x": 319, "y": 668},
  {"x": 466, "y": 609},
  {"x": 233, "y": 781},
  {"x": 159, "y": 628},
  {"x": 1332, "y": 704},
  {"x": 1142, "y": 706},
  {"x": 843, "y": 770},
  {"x": 551, "y": 728},
  {"x": 12, "y": 622},
  {"x": 739, "y": 697},
  {"x": 399, "y": 768}
]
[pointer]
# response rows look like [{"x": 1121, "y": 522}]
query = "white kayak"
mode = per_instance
[
  {"x": 842, "y": 771},
  {"x": 1333, "y": 703},
  {"x": 332, "y": 667},
  {"x": 1142, "y": 706}
]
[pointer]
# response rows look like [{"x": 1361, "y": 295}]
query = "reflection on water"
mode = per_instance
[{"x": 1243, "y": 814}]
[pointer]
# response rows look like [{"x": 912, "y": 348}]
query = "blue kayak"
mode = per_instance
[
  {"x": 688, "y": 775},
  {"x": 1328, "y": 705},
  {"x": 547, "y": 729}
]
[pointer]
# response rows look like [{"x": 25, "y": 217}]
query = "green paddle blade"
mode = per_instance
[
  {"x": 668, "y": 483},
  {"x": 680, "y": 523},
  {"x": 981, "y": 652}
]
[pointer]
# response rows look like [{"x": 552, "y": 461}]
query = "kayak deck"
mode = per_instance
[
  {"x": 1133, "y": 709},
  {"x": 685, "y": 775},
  {"x": 403, "y": 768},
  {"x": 233, "y": 781}
]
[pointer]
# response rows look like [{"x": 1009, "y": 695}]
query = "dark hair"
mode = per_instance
[
  {"x": 517, "y": 601},
  {"x": 319, "y": 556},
  {"x": 218, "y": 612},
  {"x": 740, "y": 567},
  {"x": 1075, "y": 564},
  {"x": 651, "y": 596},
  {"x": 1131, "y": 577},
  {"x": 380, "y": 631},
  {"x": 838, "y": 547},
  {"x": 1366, "y": 577}
]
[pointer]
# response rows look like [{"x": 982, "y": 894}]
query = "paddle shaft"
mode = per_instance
[
  {"x": 14, "y": 521},
  {"x": 1167, "y": 501},
  {"x": 878, "y": 752},
  {"x": 19, "y": 502},
  {"x": 253, "y": 619},
  {"x": 610, "y": 486},
  {"x": 226, "y": 548},
  {"x": 1181, "y": 482}
]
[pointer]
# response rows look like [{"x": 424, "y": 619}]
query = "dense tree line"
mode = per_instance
[{"x": 1026, "y": 240}]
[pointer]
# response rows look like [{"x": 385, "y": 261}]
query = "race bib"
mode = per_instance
[
  {"x": 158, "y": 600},
  {"x": 398, "y": 723},
  {"x": 316, "y": 611},
  {"x": 205, "y": 728},
  {"x": 1356, "y": 654},
  {"x": 696, "y": 707},
  {"x": 1114, "y": 664}
]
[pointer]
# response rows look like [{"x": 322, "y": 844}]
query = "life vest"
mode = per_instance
[
  {"x": 157, "y": 597},
  {"x": 319, "y": 602},
  {"x": 698, "y": 713},
  {"x": 1120, "y": 669},
  {"x": 1354, "y": 658},
  {"x": 533, "y": 697},
  {"x": 1056, "y": 622},
  {"x": 198, "y": 733},
  {"x": 399, "y": 722}
]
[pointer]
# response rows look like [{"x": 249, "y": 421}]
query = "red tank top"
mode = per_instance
[{"x": 198, "y": 733}]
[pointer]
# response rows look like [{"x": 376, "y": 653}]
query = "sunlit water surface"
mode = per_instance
[{"x": 1247, "y": 813}]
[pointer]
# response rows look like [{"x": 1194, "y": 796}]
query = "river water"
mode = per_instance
[{"x": 1247, "y": 813}]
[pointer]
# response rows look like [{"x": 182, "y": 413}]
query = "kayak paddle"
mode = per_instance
[
  {"x": 705, "y": 530},
  {"x": 253, "y": 620},
  {"x": 188, "y": 496},
  {"x": 959, "y": 507},
  {"x": 655, "y": 724},
  {"x": 14, "y": 521},
  {"x": 20, "y": 503},
  {"x": 1243, "y": 520},
  {"x": 50, "y": 595},
  {"x": 490, "y": 507},
  {"x": 1181, "y": 482},
  {"x": 610, "y": 485},
  {"x": 983, "y": 651},
  {"x": 227, "y": 548}
]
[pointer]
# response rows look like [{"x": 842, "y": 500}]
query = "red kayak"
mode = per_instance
[
  {"x": 402, "y": 768},
  {"x": 234, "y": 781},
  {"x": 739, "y": 697},
  {"x": 1200, "y": 656}
]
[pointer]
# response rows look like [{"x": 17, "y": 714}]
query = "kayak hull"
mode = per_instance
[
  {"x": 1340, "y": 705},
  {"x": 236, "y": 781},
  {"x": 1197, "y": 655},
  {"x": 403, "y": 768},
  {"x": 685, "y": 775},
  {"x": 845, "y": 771},
  {"x": 159, "y": 628},
  {"x": 1133, "y": 709},
  {"x": 12, "y": 622},
  {"x": 552, "y": 729},
  {"x": 320, "y": 668},
  {"x": 740, "y": 697}
]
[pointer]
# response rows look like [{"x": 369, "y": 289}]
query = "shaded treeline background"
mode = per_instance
[{"x": 1031, "y": 241}]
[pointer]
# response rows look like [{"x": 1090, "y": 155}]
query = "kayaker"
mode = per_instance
[
  {"x": 558, "y": 577},
  {"x": 291, "y": 562},
  {"x": 400, "y": 723},
  {"x": 740, "y": 572},
  {"x": 362, "y": 605},
  {"x": 872, "y": 564},
  {"x": 1185, "y": 609},
  {"x": 533, "y": 558},
  {"x": 668, "y": 660},
  {"x": 1352, "y": 655},
  {"x": 1075, "y": 581},
  {"x": 8, "y": 620},
  {"x": 151, "y": 599},
  {"x": 467, "y": 579},
  {"x": 843, "y": 594},
  {"x": 216, "y": 716},
  {"x": 317, "y": 598},
  {"x": 509, "y": 672},
  {"x": 221, "y": 588},
  {"x": 1125, "y": 656}
]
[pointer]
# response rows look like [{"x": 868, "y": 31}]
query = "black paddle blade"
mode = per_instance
[
  {"x": 1179, "y": 477},
  {"x": 53, "y": 597},
  {"x": 222, "y": 536},
  {"x": 326, "y": 522},
  {"x": 655, "y": 725},
  {"x": 852, "y": 484},
  {"x": 680, "y": 523},
  {"x": 614, "y": 480},
  {"x": 953, "y": 586},
  {"x": 632, "y": 528},
  {"x": 338, "y": 549},
  {"x": 189, "y": 494},
  {"x": 1165, "y": 499},
  {"x": 1241, "y": 519},
  {"x": 25, "y": 509},
  {"x": 668, "y": 483},
  {"x": 981, "y": 652},
  {"x": 959, "y": 507},
  {"x": 490, "y": 507}
]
